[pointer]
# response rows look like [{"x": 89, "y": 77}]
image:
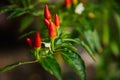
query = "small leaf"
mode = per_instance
[
  {"x": 96, "y": 40},
  {"x": 26, "y": 34},
  {"x": 16, "y": 13},
  {"x": 74, "y": 60},
  {"x": 6, "y": 8},
  {"x": 51, "y": 65},
  {"x": 89, "y": 39},
  {"x": 9, "y": 67},
  {"x": 26, "y": 21},
  {"x": 35, "y": 12}
]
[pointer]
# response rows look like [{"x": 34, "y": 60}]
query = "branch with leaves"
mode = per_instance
[
  {"x": 58, "y": 44},
  {"x": 76, "y": 22}
]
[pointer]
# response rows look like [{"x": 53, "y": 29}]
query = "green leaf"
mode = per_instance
[
  {"x": 85, "y": 46},
  {"x": 26, "y": 22},
  {"x": 26, "y": 34},
  {"x": 74, "y": 60},
  {"x": 51, "y": 65},
  {"x": 114, "y": 48},
  {"x": 89, "y": 40},
  {"x": 66, "y": 45},
  {"x": 96, "y": 40},
  {"x": 117, "y": 19},
  {"x": 87, "y": 37},
  {"x": 9, "y": 67},
  {"x": 6, "y": 8},
  {"x": 16, "y": 13},
  {"x": 35, "y": 12},
  {"x": 105, "y": 37},
  {"x": 105, "y": 27}
]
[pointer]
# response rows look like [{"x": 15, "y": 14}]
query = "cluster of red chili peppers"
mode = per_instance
[
  {"x": 52, "y": 28},
  {"x": 36, "y": 43}
]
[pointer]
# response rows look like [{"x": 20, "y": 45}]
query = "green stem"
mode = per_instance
[
  {"x": 29, "y": 62},
  {"x": 36, "y": 54},
  {"x": 9, "y": 67},
  {"x": 70, "y": 40},
  {"x": 52, "y": 43},
  {"x": 58, "y": 31}
]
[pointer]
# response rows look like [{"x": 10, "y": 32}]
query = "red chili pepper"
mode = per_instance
[
  {"x": 68, "y": 3},
  {"x": 52, "y": 30},
  {"x": 29, "y": 41},
  {"x": 46, "y": 22},
  {"x": 47, "y": 13},
  {"x": 37, "y": 40},
  {"x": 57, "y": 20}
]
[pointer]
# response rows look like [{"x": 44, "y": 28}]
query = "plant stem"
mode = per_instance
[
  {"x": 36, "y": 54},
  {"x": 9, "y": 67},
  {"x": 58, "y": 31},
  {"x": 70, "y": 40},
  {"x": 29, "y": 62},
  {"x": 52, "y": 43}
]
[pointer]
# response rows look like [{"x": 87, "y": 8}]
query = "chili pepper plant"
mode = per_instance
[{"x": 61, "y": 26}]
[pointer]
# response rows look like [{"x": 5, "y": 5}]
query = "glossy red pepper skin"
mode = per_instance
[
  {"x": 57, "y": 20},
  {"x": 29, "y": 41},
  {"x": 46, "y": 22},
  {"x": 47, "y": 13},
  {"x": 36, "y": 44},
  {"x": 37, "y": 40},
  {"x": 68, "y": 3},
  {"x": 52, "y": 30}
]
